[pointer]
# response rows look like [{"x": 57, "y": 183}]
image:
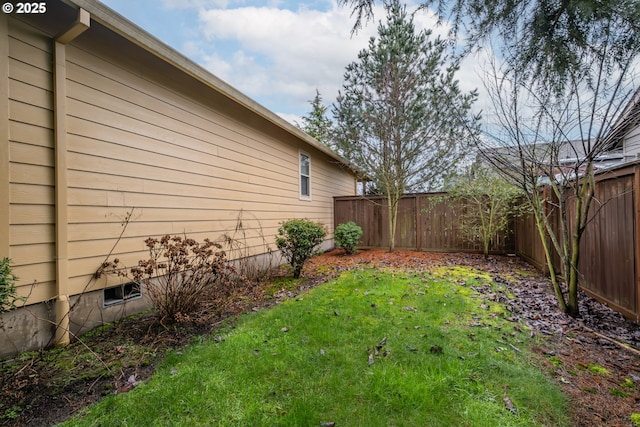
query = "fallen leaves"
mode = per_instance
[
  {"x": 509, "y": 405},
  {"x": 378, "y": 351},
  {"x": 531, "y": 304},
  {"x": 436, "y": 349}
]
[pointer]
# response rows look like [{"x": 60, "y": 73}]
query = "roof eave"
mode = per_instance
[{"x": 136, "y": 35}]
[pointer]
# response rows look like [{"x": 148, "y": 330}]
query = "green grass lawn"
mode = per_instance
[{"x": 372, "y": 348}]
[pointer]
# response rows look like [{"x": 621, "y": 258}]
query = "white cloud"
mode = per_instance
[
  {"x": 471, "y": 75},
  {"x": 280, "y": 56},
  {"x": 279, "y": 53}
]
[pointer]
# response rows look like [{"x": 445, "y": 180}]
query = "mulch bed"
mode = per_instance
[{"x": 574, "y": 352}]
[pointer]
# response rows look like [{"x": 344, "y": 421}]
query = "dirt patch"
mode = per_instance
[{"x": 593, "y": 358}]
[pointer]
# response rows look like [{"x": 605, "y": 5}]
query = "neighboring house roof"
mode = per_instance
[
  {"x": 125, "y": 28},
  {"x": 570, "y": 153}
]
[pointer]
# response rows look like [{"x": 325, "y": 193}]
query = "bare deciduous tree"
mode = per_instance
[{"x": 551, "y": 145}]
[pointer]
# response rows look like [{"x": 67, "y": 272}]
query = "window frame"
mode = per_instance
[
  {"x": 301, "y": 175},
  {"x": 120, "y": 294}
]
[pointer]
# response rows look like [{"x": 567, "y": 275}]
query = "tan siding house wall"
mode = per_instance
[
  {"x": 31, "y": 161},
  {"x": 142, "y": 137}
]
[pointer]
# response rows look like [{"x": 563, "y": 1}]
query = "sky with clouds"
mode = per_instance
[{"x": 278, "y": 52}]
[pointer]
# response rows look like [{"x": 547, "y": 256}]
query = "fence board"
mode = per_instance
[
  {"x": 609, "y": 247},
  {"x": 425, "y": 222}
]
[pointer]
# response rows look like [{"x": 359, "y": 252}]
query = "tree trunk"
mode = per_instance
[
  {"x": 573, "y": 308},
  {"x": 541, "y": 226},
  {"x": 583, "y": 203},
  {"x": 392, "y": 206}
]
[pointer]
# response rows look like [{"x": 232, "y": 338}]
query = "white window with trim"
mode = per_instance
[{"x": 305, "y": 176}]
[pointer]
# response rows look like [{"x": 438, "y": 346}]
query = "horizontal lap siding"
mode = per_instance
[
  {"x": 31, "y": 162},
  {"x": 632, "y": 143},
  {"x": 179, "y": 165}
]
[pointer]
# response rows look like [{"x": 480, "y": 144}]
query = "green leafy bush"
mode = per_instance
[
  {"x": 8, "y": 295},
  {"x": 297, "y": 239},
  {"x": 347, "y": 236}
]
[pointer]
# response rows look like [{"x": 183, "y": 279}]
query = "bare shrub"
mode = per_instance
[
  {"x": 236, "y": 244},
  {"x": 180, "y": 276}
]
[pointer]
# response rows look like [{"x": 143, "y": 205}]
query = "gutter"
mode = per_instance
[{"x": 63, "y": 307}]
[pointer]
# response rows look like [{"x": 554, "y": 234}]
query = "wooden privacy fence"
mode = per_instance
[
  {"x": 609, "y": 248},
  {"x": 425, "y": 222}
]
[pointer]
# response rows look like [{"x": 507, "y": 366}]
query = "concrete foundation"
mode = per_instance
[{"x": 33, "y": 327}]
